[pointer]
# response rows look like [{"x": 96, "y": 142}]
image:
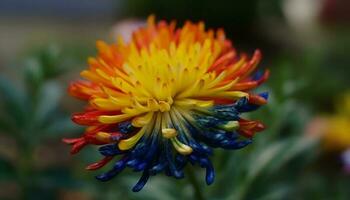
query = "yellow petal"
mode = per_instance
[
  {"x": 231, "y": 94},
  {"x": 130, "y": 142},
  {"x": 194, "y": 102},
  {"x": 142, "y": 120},
  {"x": 230, "y": 126},
  {"x": 105, "y": 104},
  {"x": 169, "y": 133},
  {"x": 111, "y": 119},
  {"x": 180, "y": 147}
]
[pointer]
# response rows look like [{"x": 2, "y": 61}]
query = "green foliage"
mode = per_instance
[{"x": 31, "y": 114}]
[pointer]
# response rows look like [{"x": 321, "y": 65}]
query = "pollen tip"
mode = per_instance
[
  {"x": 164, "y": 106},
  {"x": 169, "y": 133}
]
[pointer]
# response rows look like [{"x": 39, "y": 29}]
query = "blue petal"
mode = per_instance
[
  {"x": 180, "y": 161},
  {"x": 258, "y": 75},
  {"x": 210, "y": 173},
  {"x": 172, "y": 167},
  {"x": 140, "y": 148},
  {"x": 241, "y": 103},
  {"x": 118, "y": 167},
  {"x": 140, "y": 166},
  {"x": 264, "y": 95},
  {"x": 207, "y": 121},
  {"x": 126, "y": 127},
  {"x": 132, "y": 163},
  {"x": 141, "y": 183},
  {"x": 226, "y": 112},
  {"x": 160, "y": 164},
  {"x": 235, "y": 144},
  {"x": 200, "y": 148},
  {"x": 110, "y": 150}
]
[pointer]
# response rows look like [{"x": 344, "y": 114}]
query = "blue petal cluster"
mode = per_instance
[{"x": 154, "y": 154}]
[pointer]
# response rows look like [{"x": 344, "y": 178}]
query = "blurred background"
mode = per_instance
[{"x": 303, "y": 154}]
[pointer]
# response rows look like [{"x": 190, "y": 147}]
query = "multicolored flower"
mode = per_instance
[{"x": 166, "y": 98}]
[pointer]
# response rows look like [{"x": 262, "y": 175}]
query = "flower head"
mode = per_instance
[{"x": 165, "y": 99}]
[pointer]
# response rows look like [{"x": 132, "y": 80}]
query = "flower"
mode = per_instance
[
  {"x": 165, "y": 99},
  {"x": 336, "y": 134},
  {"x": 332, "y": 131},
  {"x": 346, "y": 161}
]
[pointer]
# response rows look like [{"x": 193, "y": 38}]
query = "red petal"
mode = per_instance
[
  {"x": 246, "y": 133},
  {"x": 257, "y": 100},
  {"x": 100, "y": 163},
  {"x": 78, "y": 144}
]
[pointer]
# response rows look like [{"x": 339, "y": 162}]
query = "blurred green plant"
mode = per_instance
[{"x": 30, "y": 113}]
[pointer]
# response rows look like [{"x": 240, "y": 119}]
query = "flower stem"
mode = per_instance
[
  {"x": 24, "y": 169},
  {"x": 198, "y": 195}
]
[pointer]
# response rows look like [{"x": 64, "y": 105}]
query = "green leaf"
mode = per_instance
[
  {"x": 59, "y": 127},
  {"x": 12, "y": 102},
  {"x": 50, "y": 61},
  {"x": 264, "y": 158},
  {"x": 277, "y": 192},
  {"x": 299, "y": 146},
  {"x": 33, "y": 74},
  {"x": 7, "y": 171},
  {"x": 56, "y": 177},
  {"x": 6, "y": 126},
  {"x": 48, "y": 101}
]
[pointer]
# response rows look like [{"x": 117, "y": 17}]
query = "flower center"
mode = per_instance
[{"x": 160, "y": 105}]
